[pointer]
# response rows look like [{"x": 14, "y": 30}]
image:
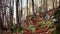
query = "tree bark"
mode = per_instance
[
  {"x": 27, "y": 7},
  {"x": 17, "y": 12},
  {"x": 53, "y": 3},
  {"x": 56, "y": 3},
  {"x": 0, "y": 15},
  {"x": 11, "y": 15},
  {"x": 33, "y": 6},
  {"x": 59, "y": 2}
]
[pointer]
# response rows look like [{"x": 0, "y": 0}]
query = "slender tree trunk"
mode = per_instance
[
  {"x": 11, "y": 15},
  {"x": 27, "y": 7},
  {"x": 56, "y": 3},
  {"x": 42, "y": 4},
  {"x": 17, "y": 1},
  {"x": 46, "y": 6},
  {"x": 20, "y": 13},
  {"x": 2, "y": 14},
  {"x": 1, "y": 7},
  {"x": 33, "y": 6},
  {"x": 59, "y": 2},
  {"x": 53, "y": 3},
  {"x": 4, "y": 25}
]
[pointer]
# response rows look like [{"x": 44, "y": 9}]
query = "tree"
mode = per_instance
[
  {"x": 33, "y": 6},
  {"x": 53, "y": 3},
  {"x": 59, "y": 2},
  {"x": 17, "y": 1},
  {"x": 27, "y": 7},
  {"x": 11, "y": 15},
  {"x": 56, "y": 3},
  {"x": 46, "y": 6},
  {"x": 0, "y": 15},
  {"x": 20, "y": 12}
]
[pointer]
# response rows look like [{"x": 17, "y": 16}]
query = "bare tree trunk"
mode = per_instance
[
  {"x": 27, "y": 7},
  {"x": 33, "y": 6},
  {"x": 11, "y": 15},
  {"x": 21, "y": 8},
  {"x": 53, "y": 3},
  {"x": 59, "y": 2},
  {"x": 56, "y": 3},
  {"x": 17, "y": 1},
  {"x": 20, "y": 13},
  {"x": 1, "y": 7},
  {"x": 4, "y": 25},
  {"x": 46, "y": 6}
]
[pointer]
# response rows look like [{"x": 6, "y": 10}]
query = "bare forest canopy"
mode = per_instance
[{"x": 15, "y": 11}]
